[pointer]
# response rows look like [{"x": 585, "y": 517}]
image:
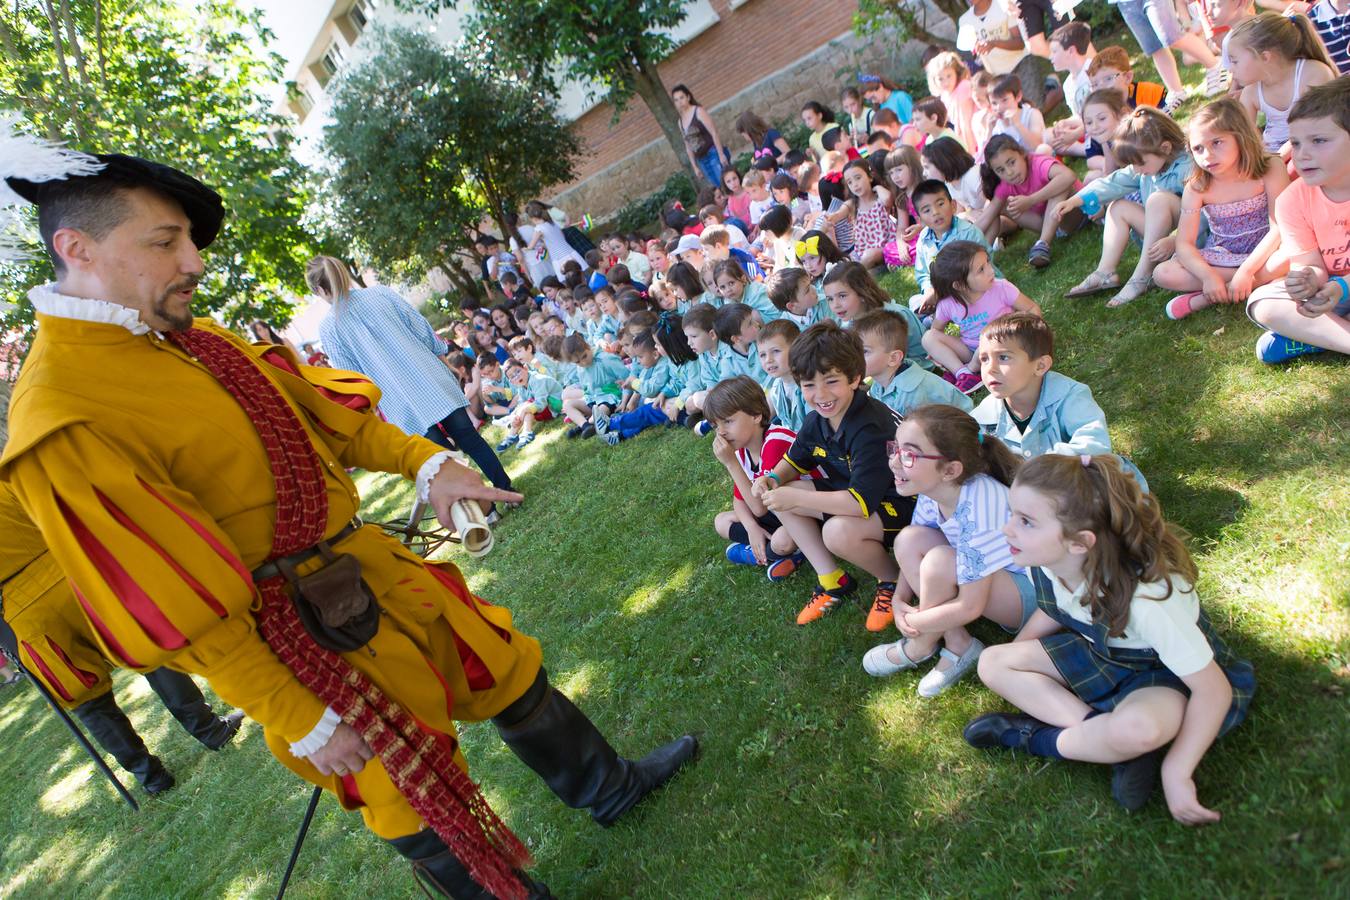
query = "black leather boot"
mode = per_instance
[
  {"x": 558, "y": 741},
  {"x": 112, "y": 729},
  {"x": 185, "y": 701},
  {"x": 441, "y": 874}
]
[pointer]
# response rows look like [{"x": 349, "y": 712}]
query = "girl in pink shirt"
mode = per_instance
[
  {"x": 967, "y": 291},
  {"x": 1023, "y": 185}
]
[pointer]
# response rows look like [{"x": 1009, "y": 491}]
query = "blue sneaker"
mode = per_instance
[
  {"x": 702, "y": 428},
  {"x": 610, "y": 437},
  {"x": 1273, "y": 349},
  {"x": 741, "y": 555},
  {"x": 507, "y": 444},
  {"x": 783, "y": 566},
  {"x": 526, "y": 438},
  {"x": 600, "y": 419}
]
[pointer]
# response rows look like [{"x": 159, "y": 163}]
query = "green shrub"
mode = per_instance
[{"x": 640, "y": 215}]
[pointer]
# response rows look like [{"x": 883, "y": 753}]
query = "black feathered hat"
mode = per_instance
[{"x": 203, "y": 206}]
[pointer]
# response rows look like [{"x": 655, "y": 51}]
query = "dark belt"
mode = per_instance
[{"x": 271, "y": 569}]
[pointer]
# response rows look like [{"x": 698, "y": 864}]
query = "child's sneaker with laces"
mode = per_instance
[
  {"x": 702, "y": 428},
  {"x": 1273, "y": 349},
  {"x": 881, "y": 615},
  {"x": 600, "y": 419},
  {"x": 507, "y": 444},
  {"x": 824, "y": 601},
  {"x": 783, "y": 566},
  {"x": 968, "y": 382},
  {"x": 525, "y": 438},
  {"x": 612, "y": 438},
  {"x": 741, "y": 555}
]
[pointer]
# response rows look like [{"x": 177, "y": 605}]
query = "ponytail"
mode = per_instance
[
  {"x": 329, "y": 276},
  {"x": 1134, "y": 545},
  {"x": 958, "y": 438},
  {"x": 1293, "y": 37}
]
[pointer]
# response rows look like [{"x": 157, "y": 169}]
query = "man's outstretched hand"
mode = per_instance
[{"x": 458, "y": 482}]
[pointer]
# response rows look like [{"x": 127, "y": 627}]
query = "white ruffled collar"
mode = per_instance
[{"x": 50, "y": 302}]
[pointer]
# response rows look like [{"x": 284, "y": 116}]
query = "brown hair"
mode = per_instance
[
  {"x": 884, "y": 323},
  {"x": 574, "y": 347},
  {"x": 780, "y": 328},
  {"x": 1148, "y": 130},
  {"x": 860, "y": 281},
  {"x": 826, "y": 347},
  {"x": 949, "y": 272},
  {"x": 329, "y": 275},
  {"x": 1113, "y": 57},
  {"x": 1027, "y": 331},
  {"x": 1292, "y": 37},
  {"x": 906, "y": 156},
  {"x": 552, "y": 347},
  {"x": 1072, "y": 36},
  {"x": 958, "y": 438},
  {"x": 1326, "y": 101},
  {"x": 752, "y": 126},
  {"x": 1228, "y": 116},
  {"x": 1134, "y": 545},
  {"x": 737, "y": 394},
  {"x": 783, "y": 284},
  {"x": 931, "y": 106},
  {"x": 700, "y": 316},
  {"x": 729, "y": 320},
  {"x": 730, "y": 267},
  {"x": 1111, "y": 98}
]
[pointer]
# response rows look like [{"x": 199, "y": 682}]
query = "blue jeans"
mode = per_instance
[{"x": 710, "y": 164}]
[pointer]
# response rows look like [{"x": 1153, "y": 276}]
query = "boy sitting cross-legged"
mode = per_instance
[
  {"x": 1030, "y": 408},
  {"x": 896, "y": 382},
  {"x": 853, "y": 509},
  {"x": 655, "y": 380},
  {"x": 785, "y": 397},
  {"x": 1309, "y": 310},
  {"x": 748, "y": 445},
  {"x": 539, "y": 399}
]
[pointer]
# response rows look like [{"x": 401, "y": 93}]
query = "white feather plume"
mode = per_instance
[{"x": 22, "y": 155}]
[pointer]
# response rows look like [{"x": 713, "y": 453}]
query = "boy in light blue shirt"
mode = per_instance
[
  {"x": 657, "y": 381},
  {"x": 899, "y": 384},
  {"x": 713, "y": 357},
  {"x": 539, "y": 399},
  {"x": 737, "y": 327},
  {"x": 785, "y": 396},
  {"x": 1030, "y": 408},
  {"x": 933, "y": 202},
  {"x": 598, "y": 376}
]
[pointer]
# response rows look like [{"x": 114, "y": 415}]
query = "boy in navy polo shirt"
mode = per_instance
[{"x": 853, "y": 511}]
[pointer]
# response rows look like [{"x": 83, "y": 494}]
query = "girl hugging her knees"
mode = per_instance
[
  {"x": 1232, "y": 192},
  {"x": 1025, "y": 185},
  {"x": 1120, "y": 660},
  {"x": 967, "y": 291},
  {"x": 953, "y": 556}
]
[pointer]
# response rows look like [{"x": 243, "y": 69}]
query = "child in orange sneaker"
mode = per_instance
[
  {"x": 748, "y": 445},
  {"x": 953, "y": 556},
  {"x": 852, "y": 510}
]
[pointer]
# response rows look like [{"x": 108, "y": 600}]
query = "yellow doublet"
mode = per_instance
[{"x": 153, "y": 491}]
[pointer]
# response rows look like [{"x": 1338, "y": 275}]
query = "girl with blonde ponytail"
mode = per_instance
[
  {"x": 953, "y": 557},
  {"x": 1277, "y": 57},
  {"x": 1120, "y": 659}
]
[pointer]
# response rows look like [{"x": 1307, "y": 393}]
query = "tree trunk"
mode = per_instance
[
  {"x": 74, "y": 41},
  {"x": 73, "y": 116},
  {"x": 98, "y": 41},
  {"x": 648, "y": 85}
]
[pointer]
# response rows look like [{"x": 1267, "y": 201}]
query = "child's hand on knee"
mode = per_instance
[{"x": 1162, "y": 249}]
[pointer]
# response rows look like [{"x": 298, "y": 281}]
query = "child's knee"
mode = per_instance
[
  {"x": 991, "y": 665},
  {"x": 1137, "y": 731},
  {"x": 722, "y": 522},
  {"x": 839, "y": 534},
  {"x": 782, "y": 542},
  {"x": 939, "y": 562}
]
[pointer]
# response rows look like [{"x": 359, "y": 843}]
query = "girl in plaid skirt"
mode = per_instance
[{"x": 1120, "y": 660}]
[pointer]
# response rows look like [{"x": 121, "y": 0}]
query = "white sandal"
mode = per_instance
[
  {"x": 938, "y": 680},
  {"x": 877, "y": 662},
  {"x": 1130, "y": 291}
]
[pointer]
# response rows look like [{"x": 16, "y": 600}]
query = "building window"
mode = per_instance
[
  {"x": 359, "y": 15},
  {"x": 329, "y": 63}
]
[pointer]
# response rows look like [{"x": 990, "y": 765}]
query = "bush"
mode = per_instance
[
  {"x": 437, "y": 311},
  {"x": 639, "y": 215}
]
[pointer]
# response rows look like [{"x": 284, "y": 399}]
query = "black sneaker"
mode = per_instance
[
  {"x": 573, "y": 432},
  {"x": 1133, "y": 781},
  {"x": 587, "y": 430}
]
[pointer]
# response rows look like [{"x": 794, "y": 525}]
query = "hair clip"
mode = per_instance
[
  {"x": 808, "y": 247},
  {"x": 833, "y": 177},
  {"x": 867, "y": 78},
  {"x": 1085, "y": 459},
  {"x": 981, "y": 436}
]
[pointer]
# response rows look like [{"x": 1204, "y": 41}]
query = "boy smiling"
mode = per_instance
[{"x": 852, "y": 510}]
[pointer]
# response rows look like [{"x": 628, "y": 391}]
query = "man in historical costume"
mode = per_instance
[
  {"x": 192, "y": 488},
  {"x": 52, "y": 639}
]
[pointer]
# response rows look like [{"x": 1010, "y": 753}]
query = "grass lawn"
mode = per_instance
[{"x": 815, "y": 780}]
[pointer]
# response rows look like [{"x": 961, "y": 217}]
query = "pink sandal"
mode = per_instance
[{"x": 1180, "y": 307}]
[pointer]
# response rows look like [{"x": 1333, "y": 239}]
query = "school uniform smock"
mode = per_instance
[
  {"x": 1164, "y": 641},
  {"x": 756, "y": 296},
  {"x": 157, "y": 528},
  {"x": 913, "y": 386},
  {"x": 658, "y": 380},
  {"x": 1067, "y": 420},
  {"x": 789, "y": 406},
  {"x": 543, "y": 393},
  {"x": 914, "y": 349},
  {"x": 600, "y": 380},
  {"x": 853, "y": 458},
  {"x": 930, "y": 243},
  {"x": 738, "y": 363},
  {"x": 708, "y": 369}
]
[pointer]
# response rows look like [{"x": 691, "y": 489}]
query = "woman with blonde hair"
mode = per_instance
[{"x": 374, "y": 331}]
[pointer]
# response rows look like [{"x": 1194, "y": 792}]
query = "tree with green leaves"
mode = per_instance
[
  {"x": 614, "y": 44},
  {"x": 910, "y": 18},
  {"x": 425, "y": 138},
  {"x": 183, "y": 87}
]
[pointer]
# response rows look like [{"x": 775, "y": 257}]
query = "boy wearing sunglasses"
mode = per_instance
[
  {"x": 851, "y": 511},
  {"x": 1030, "y": 408}
]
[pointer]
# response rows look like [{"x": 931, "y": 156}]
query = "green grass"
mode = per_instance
[{"x": 814, "y": 779}]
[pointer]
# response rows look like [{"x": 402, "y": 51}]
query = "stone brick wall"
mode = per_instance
[{"x": 767, "y": 55}]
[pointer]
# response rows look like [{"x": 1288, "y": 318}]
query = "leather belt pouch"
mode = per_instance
[{"x": 334, "y": 603}]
